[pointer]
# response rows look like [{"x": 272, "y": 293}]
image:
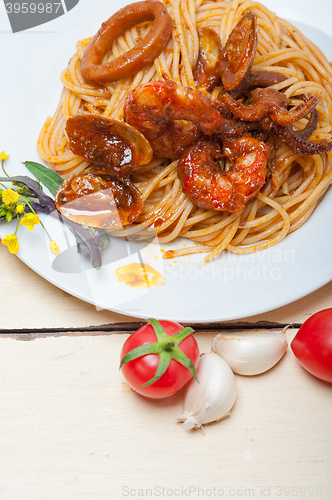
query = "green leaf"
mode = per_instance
[
  {"x": 181, "y": 335},
  {"x": 158, "y": 330},
  {"x": 183, "y": 359},
  {"x": 164, "y": 361},
  {"x": 154, "y": 348},
  {"x": 46, "y": 176}
]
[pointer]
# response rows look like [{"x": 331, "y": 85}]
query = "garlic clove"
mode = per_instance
[
  {"x": 212, "y": 397},
  {"x": 250, "y": 352}
]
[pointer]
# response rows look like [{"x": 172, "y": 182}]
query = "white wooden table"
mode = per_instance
[{"x": 70, "y": 427}]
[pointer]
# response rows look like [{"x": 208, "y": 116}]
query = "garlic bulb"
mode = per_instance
[
  {"x": 250, "y": 352},
  {"x": 212, "y": 397}
]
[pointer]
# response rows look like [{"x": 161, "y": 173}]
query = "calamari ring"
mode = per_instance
[{"x": 135, "y": 59}]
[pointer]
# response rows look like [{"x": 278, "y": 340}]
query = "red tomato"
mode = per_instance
[
  {"x": 142, "y": 369},
  {"x": 312, "y": 345}
]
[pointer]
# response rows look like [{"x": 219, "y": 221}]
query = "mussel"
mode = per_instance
[
  {"x": 239, "y": 52},
  {"x": 111, "y": 144},
  {"x": 99, "y": 200},
  {"x": 210, "y": 51}
]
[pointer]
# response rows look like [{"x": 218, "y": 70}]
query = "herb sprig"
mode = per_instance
[{"x": 27, "y": 199}]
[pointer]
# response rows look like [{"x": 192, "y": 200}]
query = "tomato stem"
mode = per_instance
[{"x": 169, "y": 346}]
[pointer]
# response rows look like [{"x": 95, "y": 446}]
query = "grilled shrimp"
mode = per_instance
[
  {"x": 171, "y": 116},
  {"x": 209, "y": 187}
]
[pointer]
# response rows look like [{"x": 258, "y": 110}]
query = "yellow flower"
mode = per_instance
[
  {"x": 29, "y": 220},
  {"x": 19, "y": 208},
  {"x": 11, "y": 242},
  {"x": 54, "y": 247},
  {"x": 9, "y": 196},
  {"x": 3, "y": 156}
]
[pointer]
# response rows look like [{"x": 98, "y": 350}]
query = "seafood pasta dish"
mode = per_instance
[{"x": 209, "y": 120}]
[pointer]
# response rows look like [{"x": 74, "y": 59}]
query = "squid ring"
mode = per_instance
[{"x": 142, "y": 54}]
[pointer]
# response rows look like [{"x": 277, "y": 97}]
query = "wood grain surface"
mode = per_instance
[{"x": 70, "y": 428}]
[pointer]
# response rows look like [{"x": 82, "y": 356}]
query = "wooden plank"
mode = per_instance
[
  {"x": 29, "y": 335},
  {"x": 43, "y": 306},
  {"x": 71, "y": 428}
]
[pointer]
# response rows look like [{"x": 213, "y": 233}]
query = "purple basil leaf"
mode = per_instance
[{"x": 86, "y": 242}]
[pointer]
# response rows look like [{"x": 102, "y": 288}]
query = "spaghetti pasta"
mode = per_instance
[{"x": 295, "y": 184}]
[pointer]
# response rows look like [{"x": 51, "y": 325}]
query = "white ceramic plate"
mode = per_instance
[{"x": 230, "y": 287}]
